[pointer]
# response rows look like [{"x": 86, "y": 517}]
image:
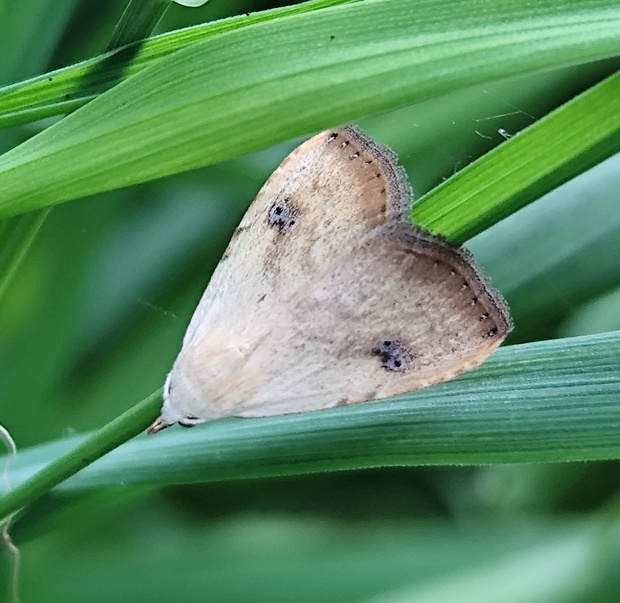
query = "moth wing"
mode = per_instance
[
  {"x": 324, "y": 197},
  {"x": 400, "y": 313}
]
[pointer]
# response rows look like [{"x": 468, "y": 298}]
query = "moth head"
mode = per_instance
[
  {"x": 211, "y": 378},
  {"x": 171, "y": 413}
]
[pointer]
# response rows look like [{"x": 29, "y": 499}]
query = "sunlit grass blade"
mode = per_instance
[
  {"x": 558, "y": 252},
  {"x": 558, "y": 147},
  {"x": 66, "y": 89},
  {"x": 251, "y": 88}
]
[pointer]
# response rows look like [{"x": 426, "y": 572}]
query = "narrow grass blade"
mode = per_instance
[
  {"x": 560, "y": 146},
  {"x": 137, "y": 21},
  {"x": 109, "y": 437}
]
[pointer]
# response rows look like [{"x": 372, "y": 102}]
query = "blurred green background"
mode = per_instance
[{"x": 96, "y": 315}]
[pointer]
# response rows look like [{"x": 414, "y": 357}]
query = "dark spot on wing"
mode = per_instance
[
  {"x": 394, "y": 356},
  {"x": 282, "y": 215}
]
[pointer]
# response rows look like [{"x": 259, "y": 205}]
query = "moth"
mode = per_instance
[{"x": 328, "y": 296}]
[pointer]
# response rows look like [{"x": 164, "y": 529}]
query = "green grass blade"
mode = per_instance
[
  {"x": 66, "y": 89},
  {"x": 137, "y": 21},
  {"x": 109, "y": 437},
  {"x": 575, "y": 137},
  {"x": 251, "y": 88},
  {"x": 543, "y": 402}
]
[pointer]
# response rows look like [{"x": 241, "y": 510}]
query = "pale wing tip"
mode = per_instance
[{"x": 158, "y": 425}]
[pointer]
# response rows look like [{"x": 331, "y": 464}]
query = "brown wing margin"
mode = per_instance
[
  {"x": 397, "y": 183},
  {"x": 461, "y": 260},
  {"x": 401, "y": 194}
]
